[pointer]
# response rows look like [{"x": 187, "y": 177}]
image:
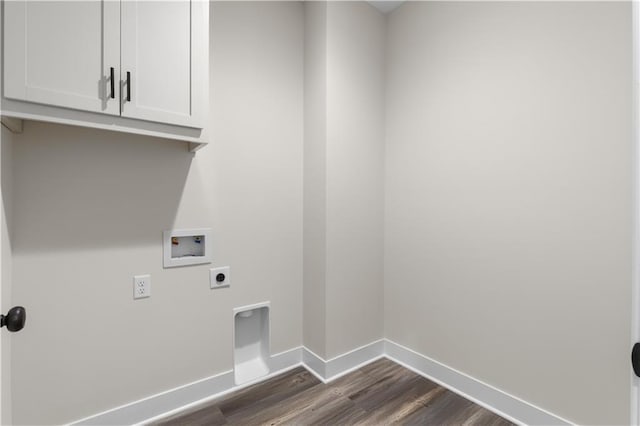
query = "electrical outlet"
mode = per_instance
[
  {"x": 141, "y": 286},
  {"x": 220, "y": 277}
]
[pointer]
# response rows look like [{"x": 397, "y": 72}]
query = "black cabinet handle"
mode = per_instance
[
  {"x": 113, "y": 84},
  {"x": 15, "y": 318},
  {"x": 128, "y": 86}
]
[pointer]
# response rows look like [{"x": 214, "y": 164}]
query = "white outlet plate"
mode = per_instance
[
  {"x": 141, "y": 286},
  {"x": 213, "y": 275}
]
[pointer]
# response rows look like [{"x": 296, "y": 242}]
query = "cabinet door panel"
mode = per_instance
[
  {"x": 157, "y": 50},
  {"x": 61, "y": 53}
]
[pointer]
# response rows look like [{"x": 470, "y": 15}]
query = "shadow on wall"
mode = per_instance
[
  {"x": 77, "y": 188},
  {"x": 6, "y": 179}
]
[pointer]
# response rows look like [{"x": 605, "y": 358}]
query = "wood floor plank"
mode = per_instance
[
  {"x": 446, "y": 408},
  {"x": 211, "y": 416},
  {"x": 381, "y": 393},
  {"x": 385, "y": 385},
  {"x": 352, "y": 383},
  {"x": 382, "y": 367},
  {"x": 408, "y": 410},
  {"x": 270, "y": 393},
  {"x": 325, "y": 409},
  {"x": 484, "y": 417},
  {"x": 400, "y": 402},
  {"x": 281, "y": 412}
]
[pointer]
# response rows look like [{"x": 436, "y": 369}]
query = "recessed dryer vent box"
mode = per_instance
[{"x": 187, "y": 247}]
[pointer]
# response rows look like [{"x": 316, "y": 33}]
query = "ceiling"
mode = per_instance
[{"x": 385, "y": 6}]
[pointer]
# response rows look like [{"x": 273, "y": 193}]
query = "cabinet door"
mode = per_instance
[
  {"x": 160, "y": 61},
  {"x": 61, "y": 53}
]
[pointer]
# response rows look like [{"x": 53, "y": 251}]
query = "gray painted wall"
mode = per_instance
[
  {"x": 6, "y": 266},
  {"x": 90, "y": 207},
  {"x": 315, "y": 176},
  {"x": 355, "y": 179},
  {"x": 509, "y": 197},
  {"x": 344, "y": 147},
  {"x": 507, "y": 208}
]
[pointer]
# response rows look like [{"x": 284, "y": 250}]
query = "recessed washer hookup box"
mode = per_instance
[{"x": 183, "y": 247}]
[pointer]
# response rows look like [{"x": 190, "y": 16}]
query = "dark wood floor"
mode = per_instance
[{"x": 380, "y": 393}]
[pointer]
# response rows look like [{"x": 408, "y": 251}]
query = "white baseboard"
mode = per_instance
[
  {"x": 165, "y": 402},
  {"x": 315, "y": 364},
  {"x": 183, "y": 397},
  {"x": 328, "y": 370},
  {"x": 508, "y": 406},
  {"x": 352, "y": 360},
  {"x": 172, "y": 401},
  {"x": 286, "y": 360}
]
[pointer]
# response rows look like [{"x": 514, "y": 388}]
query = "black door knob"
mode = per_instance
[{"x": 15, "y": 319}]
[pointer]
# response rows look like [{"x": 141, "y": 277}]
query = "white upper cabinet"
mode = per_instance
[
  {"x": 62, "y": 53},
  {"x": 143, "y": 63},
  {"x": 159, "y": 65}
]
